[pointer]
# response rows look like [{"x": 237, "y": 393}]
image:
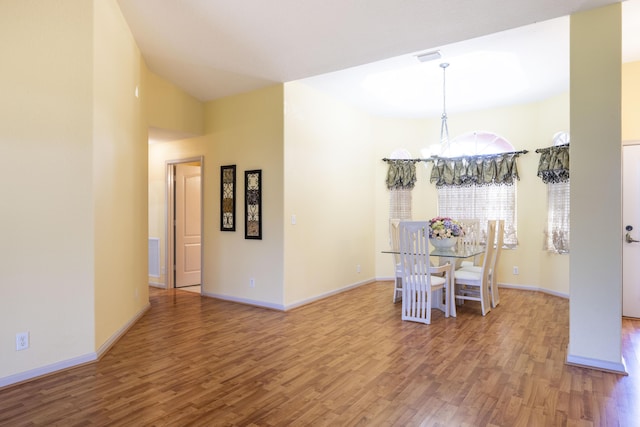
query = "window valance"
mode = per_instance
[
  {"x": 494, "y": 169},
  {"x": 401, "y": 174},
  {"x": 554, "y": 164}
]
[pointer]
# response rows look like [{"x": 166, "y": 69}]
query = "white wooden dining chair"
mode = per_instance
[
  {"x": 495, "y": 295},
  {"x": 470, "y": 285},
  {"x": 419, "y": 279},
  {"x": 471, "y": 238},
  {"x": 493, "y": 272},
  {"x": 394, "y": 243}
]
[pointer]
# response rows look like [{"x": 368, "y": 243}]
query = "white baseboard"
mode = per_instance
[
  {"x": 48, "y": 369},
  {"x": 245, "y": 301},
  {"x": 120, "y": 332},
  {"x": 282, "y": 307},
  {"x": 328, "y": 294},
  {"x": 533, "y": 288},
  {"x": 158, "y": 285},
  {"x": 75, "y": 361},
  {"x": 602, "y": 365}
]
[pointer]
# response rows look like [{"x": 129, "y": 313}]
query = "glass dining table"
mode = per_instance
[{"x": 451, "y": 255}]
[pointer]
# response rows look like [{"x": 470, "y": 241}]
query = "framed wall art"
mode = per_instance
[
  {"x": 253, "y": 204},
  {"x": 228, "y": 198}
]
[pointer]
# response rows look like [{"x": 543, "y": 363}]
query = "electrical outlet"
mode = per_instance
[
  {"x": 252, "y": 283},
  {"x": 358, "y": 268},
  {"x": 515, "y": 270},
  {"x": 22, "y": 341}
]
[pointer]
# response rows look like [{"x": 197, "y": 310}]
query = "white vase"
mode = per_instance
[{"x": 449, "y": 243}]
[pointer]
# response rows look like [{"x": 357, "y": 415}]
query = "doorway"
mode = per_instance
[
  {"x": 184, "y": 224},
  {"x": 631, "y": 223}
]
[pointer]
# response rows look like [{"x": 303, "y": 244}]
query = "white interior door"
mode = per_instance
[
  {"x": 187, "y": 228},
  {"x": 631, "y": 219}
]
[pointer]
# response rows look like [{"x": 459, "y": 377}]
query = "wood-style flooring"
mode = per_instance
[{"x": 347, "y": 360}]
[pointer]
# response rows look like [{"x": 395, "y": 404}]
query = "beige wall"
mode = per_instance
[
  {"x": 75, "y": 158},
  {"x": 596, "y": 198},
  {"x": 245, "y": 130},
  {"x": 119, "y": 175},
  {"x": 171, "y": 111},
  {"x": 329, "y": 187},
  {"x": 47, "y": 244}
]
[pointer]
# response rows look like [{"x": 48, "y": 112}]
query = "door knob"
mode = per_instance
[{"x": 629, "y": 239}]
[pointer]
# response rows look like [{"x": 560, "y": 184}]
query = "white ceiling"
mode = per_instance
[{"x": 216, "y": 48}]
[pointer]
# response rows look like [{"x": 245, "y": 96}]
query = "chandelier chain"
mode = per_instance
[{"x": 444, "y": 128}]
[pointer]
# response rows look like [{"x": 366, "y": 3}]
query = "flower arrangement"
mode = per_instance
[{"x": 444, "y": 228}]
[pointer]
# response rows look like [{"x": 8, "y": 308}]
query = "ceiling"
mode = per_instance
[{"x": 364, "y": 51}]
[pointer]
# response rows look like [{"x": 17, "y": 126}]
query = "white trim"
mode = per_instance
[
  {"x": 245, "y": 301},
  {"x": 158, "y": 285},
  {"x": 282, "y": 307},
  {"x": 603, "y": 365},
  {"x": 169, "y": 219},
  {"x": 534, "y": 288},
  {"x": 75, "y": 361},
  {"x": 48, "y": 369},
  {"x": 328, "y": 294}
]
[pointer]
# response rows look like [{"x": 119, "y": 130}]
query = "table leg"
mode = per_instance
[{"x": 451, "y": 294}]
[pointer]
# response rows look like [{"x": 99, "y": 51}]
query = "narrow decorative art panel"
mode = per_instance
[
  {"x": 228, "y": 198},
  {"x": 253, "y": 204}
]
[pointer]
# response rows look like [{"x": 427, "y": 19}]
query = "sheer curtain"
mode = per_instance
[
  {"x": 557, "y": 233},
  {"x": 553, "y": 169},
  {"x": 400, "y": 203},
  {"x": 482, "y": 203}
]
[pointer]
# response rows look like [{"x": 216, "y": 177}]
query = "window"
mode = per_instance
[
  {"x": 399, "y": 203},
  {"x": 480, "y": 202},
  {"x": 558, "y": 208}
]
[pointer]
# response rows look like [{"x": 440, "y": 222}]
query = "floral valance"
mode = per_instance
[
  {"x": 494, "y": 169},
  {"x": 554, "y": 164},
  {"x": 401, "y": 174}
]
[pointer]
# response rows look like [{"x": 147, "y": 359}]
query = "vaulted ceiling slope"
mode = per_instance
[{"x": 216, "y": 48}]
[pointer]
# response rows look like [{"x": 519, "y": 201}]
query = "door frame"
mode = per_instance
[
  {"x": 625, "y": 143},
  {"x": 169, "y": 252}
]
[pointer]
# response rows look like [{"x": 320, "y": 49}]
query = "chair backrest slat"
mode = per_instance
[
  {"x": 394, "y": 238},
  {"x": 488, "y": 260}
]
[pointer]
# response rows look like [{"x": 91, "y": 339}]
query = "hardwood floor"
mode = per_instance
[{"x": 343, "y": 361}]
